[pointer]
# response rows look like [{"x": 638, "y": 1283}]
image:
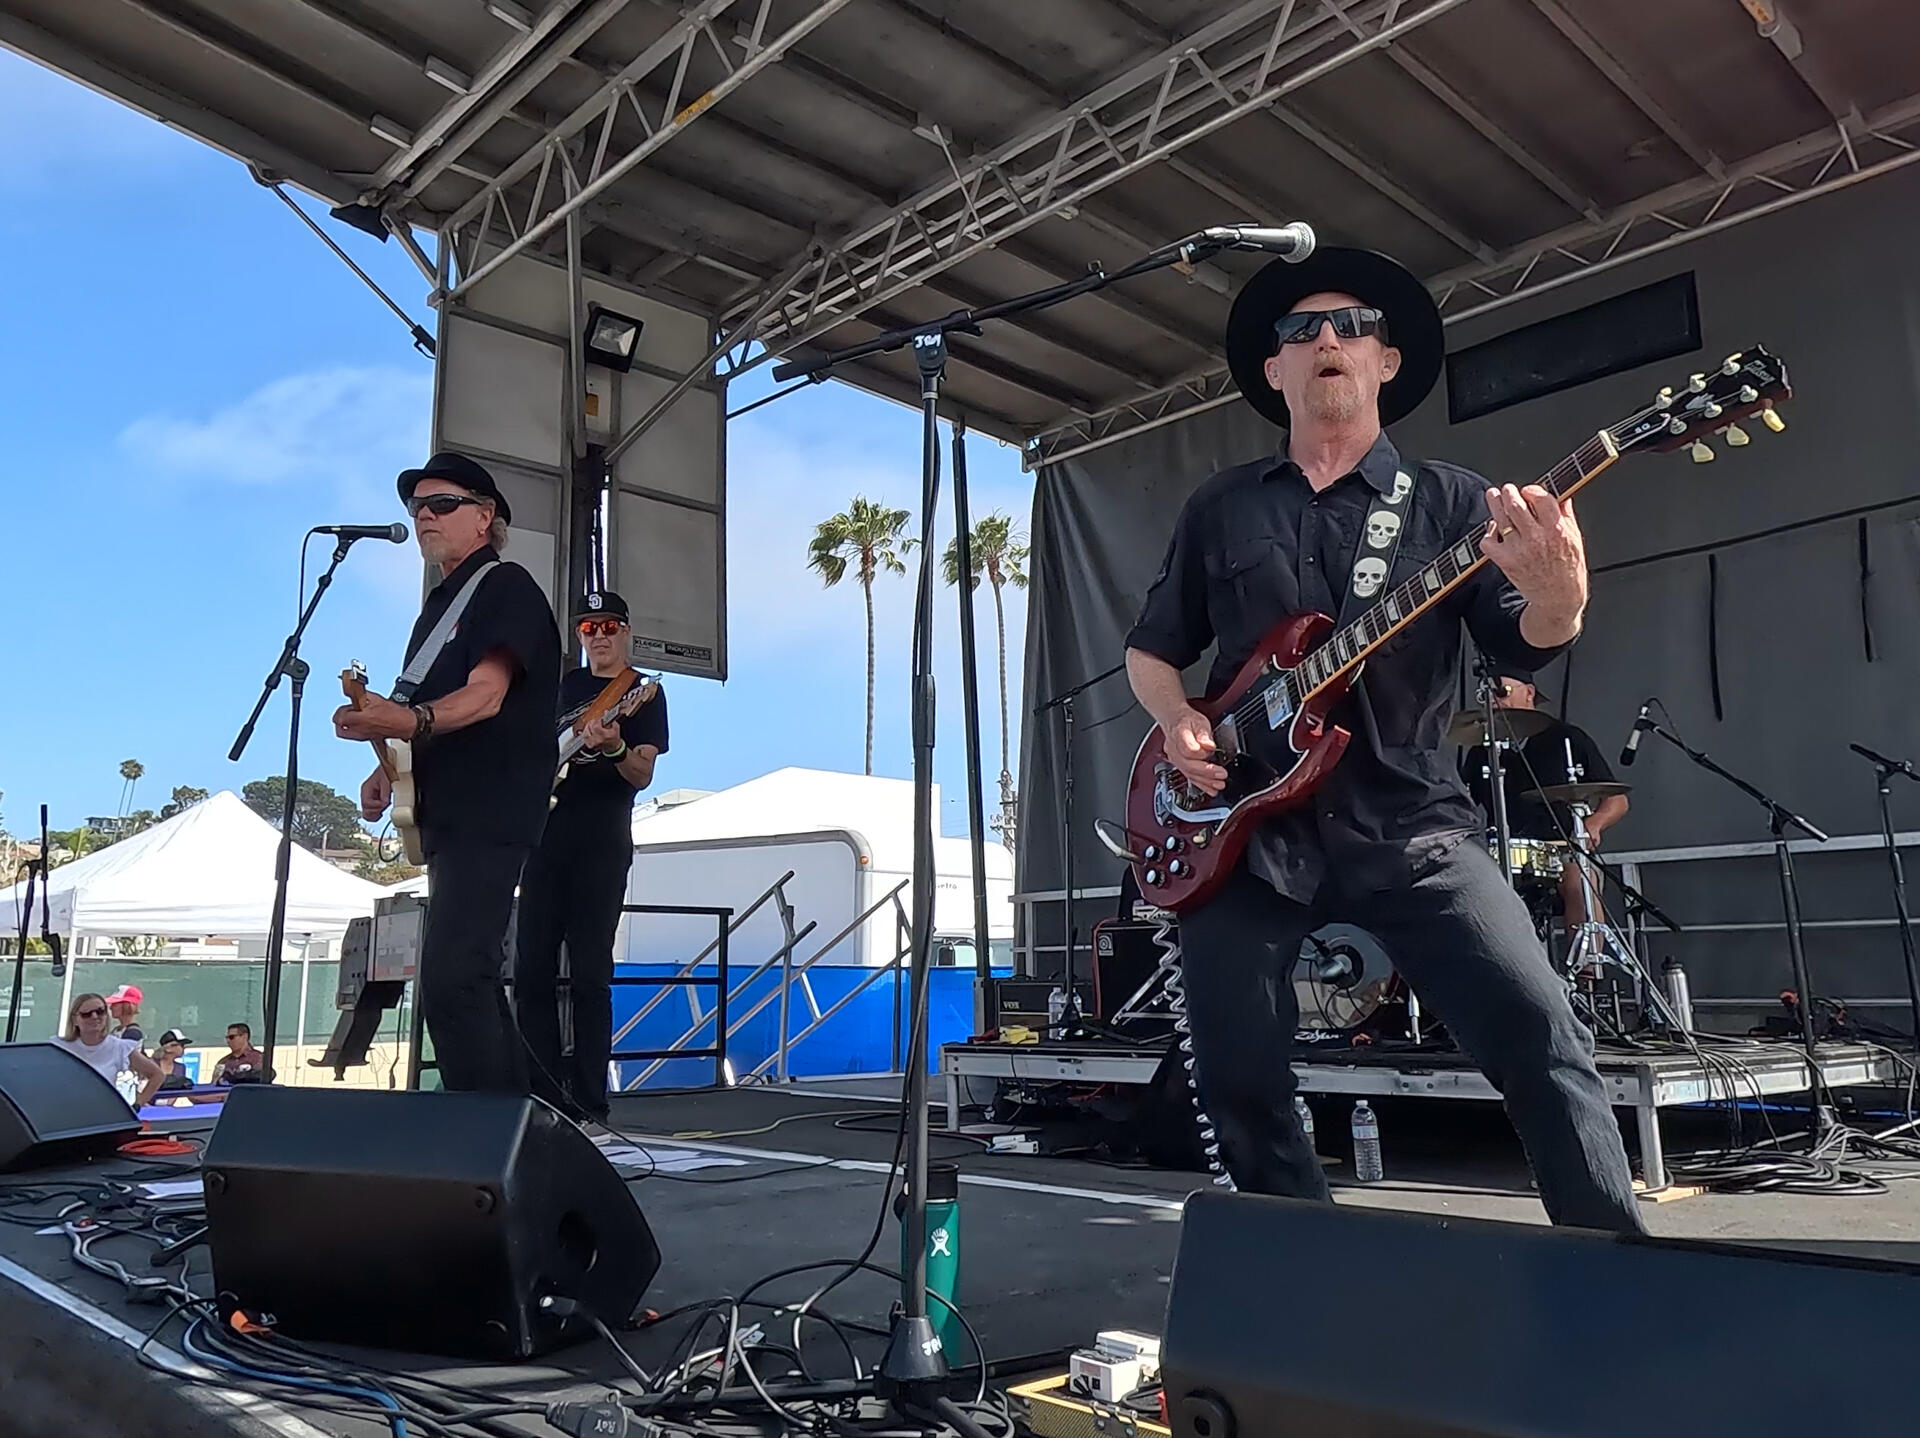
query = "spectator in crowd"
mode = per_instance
[
  {"x": 109, "y": 1055},
  {"x": 169, "y": 1058},
  {"x": 242, "y": 1062},
  {"x": 124, "y": 1004}
]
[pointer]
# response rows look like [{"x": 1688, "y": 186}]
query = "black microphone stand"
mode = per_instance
[
  {"x": 1779, "y": 819},
  {"x": 1885, "y": 768},
  {"x": 291, "y": 667},
  {"x": 914, "y": 1375},
  {"x": 1069, "y": 930},
  {"x": 39, "y": 869}
]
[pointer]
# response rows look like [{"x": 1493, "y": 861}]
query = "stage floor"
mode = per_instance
[{"x": 1053, "y": 1249}]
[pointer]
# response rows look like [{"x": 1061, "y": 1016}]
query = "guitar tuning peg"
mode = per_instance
[
  {"x": 1666, "y": 394},
  {"x": 1700, "y": 453},
  {"x": 1771, "y": 419},
  {"x": 1732, "y": 365},
  {"x": 1748, "y": 394},
  {"x": 1696, "y": 382},
  {"x": 1711, "y": 410},
  {"x": 1676, "y": 425},
  {"x": 1737, "y": 436}
]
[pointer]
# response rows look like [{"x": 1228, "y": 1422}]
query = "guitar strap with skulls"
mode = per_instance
[{"x": 1379, "y": 543}]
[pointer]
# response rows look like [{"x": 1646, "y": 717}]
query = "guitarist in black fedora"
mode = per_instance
[
  {"x": 576, "y": 882},
  {"x": 476, "y": 703},
  {"x": 1331, "y": 350}
]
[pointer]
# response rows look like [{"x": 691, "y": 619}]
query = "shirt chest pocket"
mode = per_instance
[{"x": 1242, "y": 570}]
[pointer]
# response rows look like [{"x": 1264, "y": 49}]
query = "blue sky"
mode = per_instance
[{"x": 189, "y": 380}]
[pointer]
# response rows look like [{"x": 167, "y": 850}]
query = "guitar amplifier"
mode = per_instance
[
  {"x": 1126, "y": 961},
  {"x": 1024, "y": 1002}
]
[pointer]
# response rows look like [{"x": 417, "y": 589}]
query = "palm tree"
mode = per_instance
[
  {"x": 131, "y": 771},
  {"x": 869, "y": 536},
  {"x": 999, "y": 554}
]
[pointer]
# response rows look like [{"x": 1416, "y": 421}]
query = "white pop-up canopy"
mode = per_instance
[{"x": 206, "y": 871}]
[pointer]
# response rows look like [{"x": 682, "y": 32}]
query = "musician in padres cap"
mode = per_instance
[
  {"x": 576, "y": 882},
  {"x": 479, "y": 715},
  {"x": 1330, "y": 350}
]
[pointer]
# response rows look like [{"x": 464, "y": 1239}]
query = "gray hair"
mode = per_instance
[{"x": 497, "y": 535}]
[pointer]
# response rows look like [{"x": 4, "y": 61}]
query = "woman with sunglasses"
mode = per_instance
[
  {"x": 577, "y": 879},
  {"x": 107, "y": 1054}
]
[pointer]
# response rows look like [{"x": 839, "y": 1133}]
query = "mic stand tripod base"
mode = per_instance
[{"x": 914, "y": 1374}]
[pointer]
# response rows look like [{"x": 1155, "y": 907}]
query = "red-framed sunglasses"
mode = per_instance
[{"x": 590, "y": 627}]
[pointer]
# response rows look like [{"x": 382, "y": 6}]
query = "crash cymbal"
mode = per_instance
[
  {"x": 1589, "y": 794},
  {"x": 1516, "y": 726}
]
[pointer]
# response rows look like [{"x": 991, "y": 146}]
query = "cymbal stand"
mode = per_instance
[
  {"x": 1496, "y": 780},
  {"x": 1595, "y": 941}
]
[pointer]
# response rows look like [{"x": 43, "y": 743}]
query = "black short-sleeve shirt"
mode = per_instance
[
  {"x": 1254, "y": 545},
  {"x": 489, "y": 783},
  {"x": 1540, "y": 764},
  {"x": 594, "y": 785}
]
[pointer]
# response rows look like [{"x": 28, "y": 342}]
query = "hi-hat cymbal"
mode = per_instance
[
  {"x": 1588, "y": 794},
  {"x": 1516, "y": 726}
]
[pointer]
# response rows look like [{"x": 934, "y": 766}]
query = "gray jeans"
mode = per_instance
[{"x": 1463, "y": 940}]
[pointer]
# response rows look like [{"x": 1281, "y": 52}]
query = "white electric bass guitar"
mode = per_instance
[{"x": 396, "y": 762}]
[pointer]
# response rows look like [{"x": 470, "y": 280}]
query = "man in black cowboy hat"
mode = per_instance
[
  {"x": 576, "y": 882},
  {"x": 477, "y": 703},
  {"x": 1331, "y": 350}
]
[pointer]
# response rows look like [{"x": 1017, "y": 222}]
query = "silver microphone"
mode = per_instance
[
  {"x": 1293, "y": 243},
  {"x": 1632, "y": 748}
]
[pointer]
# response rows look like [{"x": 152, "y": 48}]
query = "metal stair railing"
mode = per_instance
[
  {"x": 903, "y": 929},
  {"x": 775, "y": 890}
]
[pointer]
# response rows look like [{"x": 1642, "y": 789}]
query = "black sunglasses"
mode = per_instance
[
  {"x": 90, "y": 1013},
  {"x": 441, "y": 504},
  {"x": 1349, "y": 323}
]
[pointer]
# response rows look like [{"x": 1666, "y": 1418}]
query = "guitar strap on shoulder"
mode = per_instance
[
  {"x": 436, "y": 640},
  {"x": 1379, "y": 543}
]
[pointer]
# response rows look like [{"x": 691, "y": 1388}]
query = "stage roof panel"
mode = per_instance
[{"x": 803, "y": 171}]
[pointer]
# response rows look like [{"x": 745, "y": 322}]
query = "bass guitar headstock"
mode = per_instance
[{"x": 1748, "y": 383}]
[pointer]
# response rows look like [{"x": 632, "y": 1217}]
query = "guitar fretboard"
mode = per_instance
[{"x": 1349, "y": 645}]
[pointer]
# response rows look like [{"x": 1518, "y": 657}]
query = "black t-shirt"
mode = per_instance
[
  {"x": 594, "y": 784},
  {"x": 489, "y": 783},
  {"x": 1540, "y": 764}
]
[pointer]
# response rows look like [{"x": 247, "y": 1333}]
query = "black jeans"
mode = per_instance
[
  {"x": 462, "y": 953},
  {"x": 1463, "y": 940},
  {"x": 571, "y": 894}
]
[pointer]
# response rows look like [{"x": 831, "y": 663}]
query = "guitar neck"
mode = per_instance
[{"x": 1346, "y": 647}]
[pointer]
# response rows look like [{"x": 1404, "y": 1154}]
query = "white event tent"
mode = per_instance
[{"x": 206, "y": 871}]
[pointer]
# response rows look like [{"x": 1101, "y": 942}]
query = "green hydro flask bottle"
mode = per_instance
[{"x": 943, "y": 1256}]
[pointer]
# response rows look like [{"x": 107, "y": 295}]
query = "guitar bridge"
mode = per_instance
[{"x": 1174, "y": 798}]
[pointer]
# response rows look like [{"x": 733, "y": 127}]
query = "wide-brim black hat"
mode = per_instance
[
  {"x": 456, "y": 468},
  {"x": 1413, "y": 325}
]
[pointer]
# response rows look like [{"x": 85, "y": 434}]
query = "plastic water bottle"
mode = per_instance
[
  {"x": 1056, "y": 1008},
  {"x": 128, "y": 1082},
  {"x": 1367, "y": 1167},
  {"x": 1305, "y": 1115}
]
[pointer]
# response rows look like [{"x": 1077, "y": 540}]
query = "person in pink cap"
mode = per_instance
[{"x": 124, "y": 1004}]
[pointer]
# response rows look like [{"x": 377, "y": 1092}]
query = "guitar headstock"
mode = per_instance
[
  {"x": 1748, "y": 383},
  {"x": 353, "y": 681}
]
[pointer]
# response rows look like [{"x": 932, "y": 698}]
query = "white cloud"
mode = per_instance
[{"x": 335, "y": 424}]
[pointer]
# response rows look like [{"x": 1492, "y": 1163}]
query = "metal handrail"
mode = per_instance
[
  {"x": 722, "y": 1071},
  {"x": 827, "y": 948},
  {"x": 900, "y": 951},
  {"x": 692, "y": 963}
]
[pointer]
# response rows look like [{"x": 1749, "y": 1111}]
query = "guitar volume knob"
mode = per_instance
[
  {"x": 1174, "y": 844},
  {"x": 1150, "y": 853},
  {"x": 1179, "y": 869},
  {"x": 1152, "y": 876}
]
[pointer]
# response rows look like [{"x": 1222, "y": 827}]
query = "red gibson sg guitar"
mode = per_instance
[{"x": 1270, "y": 725}]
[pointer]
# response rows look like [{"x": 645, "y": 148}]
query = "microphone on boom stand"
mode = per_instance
[
  {"x": 347, "y": 533},
  {"x": 1631, "y": 750},
  {"x": 1293, "y": 243}
]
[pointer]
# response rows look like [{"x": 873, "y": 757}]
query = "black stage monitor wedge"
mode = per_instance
[
  {"x": 54, "y": 1108},
  {"x": 430, "y": 1222},
  {"x": 1296, "y": 1318}
]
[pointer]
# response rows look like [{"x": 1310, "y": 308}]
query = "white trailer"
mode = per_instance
[{"x": 840, "y": 847}]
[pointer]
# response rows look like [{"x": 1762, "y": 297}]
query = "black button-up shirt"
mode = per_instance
[
  {"x": 1253, "y": 545},
  {"x": 489, "y": 783},
  {"x": 594, "y": 793}
]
